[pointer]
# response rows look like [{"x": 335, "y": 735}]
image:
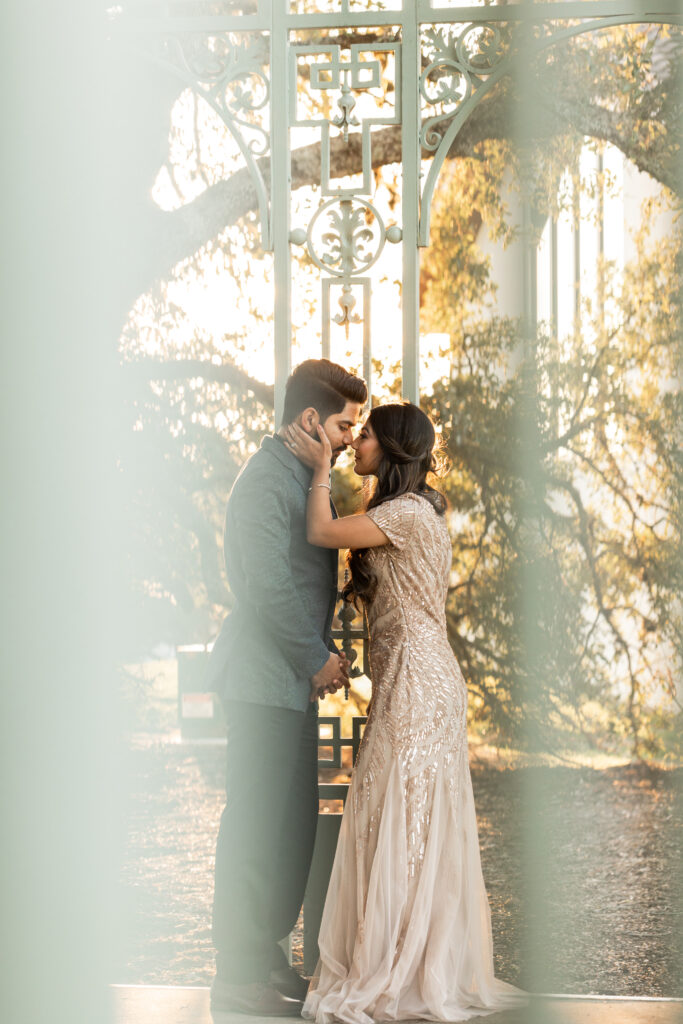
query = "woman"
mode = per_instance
[{"x": 406, "y": 929}]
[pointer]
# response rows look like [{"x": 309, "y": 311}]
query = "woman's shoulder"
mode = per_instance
[
  {"x": 399, "y": 516},
  {"x": 405, "y": 506},
  {"x": 413, "y": 504},
  {"x": 411, "y": 499}
]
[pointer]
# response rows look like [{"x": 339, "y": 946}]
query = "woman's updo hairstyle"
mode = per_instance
[{"x": 408, "y": 442}]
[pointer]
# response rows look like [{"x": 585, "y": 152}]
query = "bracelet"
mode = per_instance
[{"x": 321, "y": 485}]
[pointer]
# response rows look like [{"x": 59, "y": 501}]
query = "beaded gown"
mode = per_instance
[{"x": 406, "y": 929}]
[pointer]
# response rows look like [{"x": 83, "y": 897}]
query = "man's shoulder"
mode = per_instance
[
  {"x": 262, "y": 461},
  {"x": 265, "y": 471}
]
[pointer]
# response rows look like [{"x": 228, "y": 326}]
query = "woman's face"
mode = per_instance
[{"x": 368, "y": 451}]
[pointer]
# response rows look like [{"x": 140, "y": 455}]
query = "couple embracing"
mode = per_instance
[{"x": 406, "y": 930}]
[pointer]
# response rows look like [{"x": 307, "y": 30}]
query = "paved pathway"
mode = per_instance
[{"x": 147, "y": 1004}]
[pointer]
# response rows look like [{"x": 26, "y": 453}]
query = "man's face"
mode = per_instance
[{"x": 339, "y": 426}]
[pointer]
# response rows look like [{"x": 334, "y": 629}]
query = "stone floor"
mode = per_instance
[{"x": 147, "y": 1004}]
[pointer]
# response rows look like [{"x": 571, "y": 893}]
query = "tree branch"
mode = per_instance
[{"x": 185, "y": 369}]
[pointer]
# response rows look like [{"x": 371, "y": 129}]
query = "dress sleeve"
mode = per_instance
[{"x": 396, "y": 519}]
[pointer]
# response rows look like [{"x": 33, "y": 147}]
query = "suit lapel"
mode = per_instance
[{"x": 302, "y": 474}]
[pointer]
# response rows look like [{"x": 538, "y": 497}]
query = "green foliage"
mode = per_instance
[{"x": 564, "y": 488}]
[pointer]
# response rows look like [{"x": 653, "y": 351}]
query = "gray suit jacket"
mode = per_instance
[{"x": 278, "y": 634}]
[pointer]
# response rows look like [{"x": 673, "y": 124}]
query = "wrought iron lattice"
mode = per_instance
[
  {"x": 330, "y": 738},
  {"x": 349, "y": 634},
  {"x": 244, "y": 59}
]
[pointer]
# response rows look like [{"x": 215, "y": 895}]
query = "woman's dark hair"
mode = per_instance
[
  {"x": 322, "y": 385},
  {"x": 407, "y": 439}
]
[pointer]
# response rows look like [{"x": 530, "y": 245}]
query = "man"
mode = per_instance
[{"x": 272, "y": 660}]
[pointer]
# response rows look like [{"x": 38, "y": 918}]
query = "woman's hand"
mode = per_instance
[{"x": 316, "y": 454}]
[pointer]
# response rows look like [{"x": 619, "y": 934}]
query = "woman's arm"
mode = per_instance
[{"x": 321, "y": 529}]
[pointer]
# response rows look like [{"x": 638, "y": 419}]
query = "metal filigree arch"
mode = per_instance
[
  {"x": 229, "y": 74},
  {"x": 471, "y": 73}
]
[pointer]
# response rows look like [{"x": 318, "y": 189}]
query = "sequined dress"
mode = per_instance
[{"x": 406, "y": 929}]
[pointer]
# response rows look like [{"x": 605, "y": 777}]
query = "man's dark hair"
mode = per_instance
[{"x": 322, "y": 385}]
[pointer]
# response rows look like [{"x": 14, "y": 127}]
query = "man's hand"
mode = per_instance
[{"x": 333, "y": 675}]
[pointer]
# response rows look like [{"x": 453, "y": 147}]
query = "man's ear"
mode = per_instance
[{"x": 310, "y": 420}]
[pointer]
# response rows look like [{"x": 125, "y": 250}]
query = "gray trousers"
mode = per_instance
[{"x": 266, "y": 836}]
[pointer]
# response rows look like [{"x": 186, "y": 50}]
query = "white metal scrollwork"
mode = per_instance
[
  {"x": 460, "y": 59},
  {"x": 229, "y": 72},
  {"x": 446, "y": 59},
  {"x": 347, "y": 234}
]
